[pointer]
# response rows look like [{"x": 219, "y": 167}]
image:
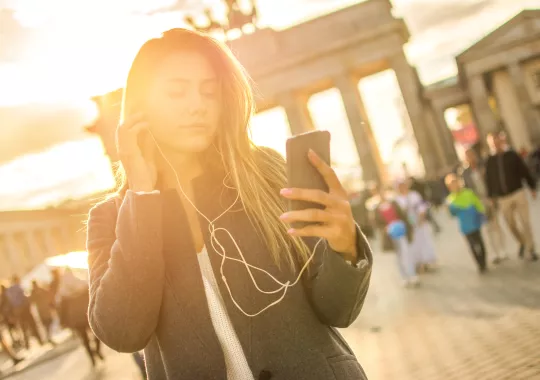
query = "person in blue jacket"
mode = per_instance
[{"x": 470, "y": 212}]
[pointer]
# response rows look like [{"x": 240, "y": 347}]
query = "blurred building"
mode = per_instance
[
  {"x": 498, "y": 84},
  {"x": 27, "y": 238},
  {"x": 332, "y": 51}
]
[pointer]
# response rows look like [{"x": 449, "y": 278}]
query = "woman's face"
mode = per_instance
[{"x": 183, "y": 104}]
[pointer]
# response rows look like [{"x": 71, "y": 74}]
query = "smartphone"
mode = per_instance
[{"x": 300, "y": 172}]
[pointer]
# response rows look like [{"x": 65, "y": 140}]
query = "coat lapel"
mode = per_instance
[{"x": 184, "y": 277}]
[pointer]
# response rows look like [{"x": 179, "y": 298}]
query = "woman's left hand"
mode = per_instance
[{"x": 335, "y": 223}]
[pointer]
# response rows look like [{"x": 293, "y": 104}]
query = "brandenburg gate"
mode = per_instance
[{"x": 332, "y": 51}]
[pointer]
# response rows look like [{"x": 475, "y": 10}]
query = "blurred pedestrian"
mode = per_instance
[
  {"x": 391, "y": 219},
  {"x": 467, "y": 207},
  {"x": 42, "y": 298},
  {"x": 7, "y": 315},
  {"x": 474, "y": 174},
  {"x": 23, "y": 312},
  {"x": 416, "y": 209},
  {"x": 505, "y": 173},
  {"x": 422, "y": 188},
  {"x": 72, "y": 300}
]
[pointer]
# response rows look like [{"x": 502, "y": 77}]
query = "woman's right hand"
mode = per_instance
[{"x": 137, "y": 161}]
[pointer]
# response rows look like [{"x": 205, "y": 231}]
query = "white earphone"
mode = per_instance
[{"x": 220, "y": 250}]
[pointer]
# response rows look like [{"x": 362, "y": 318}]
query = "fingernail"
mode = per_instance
[
  {"x": 284, "y": 216},
  {"x": 285, "y": 192},
  {"x": 291, "y": 231},
  {"x": 312, "y": 154}
]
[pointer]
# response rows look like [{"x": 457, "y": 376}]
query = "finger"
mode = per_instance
[
  {"x": 326, "y": 171},
  {"x": 308, "y": 215},
  {"x": 133, "y": 129},
  {"x": 320, "y": 231},
  {"x": 310, "y": 195},
  {"x": 132, "y": 120}
]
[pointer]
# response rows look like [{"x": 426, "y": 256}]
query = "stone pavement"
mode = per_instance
[
  {"x": 458, "y": 324},
  {"x": 76, "y": 366}
]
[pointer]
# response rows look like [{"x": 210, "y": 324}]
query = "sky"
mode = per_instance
[{"x": 58, "y": 53}]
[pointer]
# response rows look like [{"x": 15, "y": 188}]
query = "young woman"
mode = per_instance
[{"x": 167, "y": 252}]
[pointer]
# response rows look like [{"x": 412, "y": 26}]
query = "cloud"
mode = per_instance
[
  {"x": 424, "y": 15},
  {"x": 13, "y": 35}
]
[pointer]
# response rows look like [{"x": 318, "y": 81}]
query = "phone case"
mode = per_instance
[{"x": 300, "y": 172}]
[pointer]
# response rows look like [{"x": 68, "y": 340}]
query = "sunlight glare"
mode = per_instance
[
  {"x": 270, "y": 128},
  {"x": 75, "y": 260}
]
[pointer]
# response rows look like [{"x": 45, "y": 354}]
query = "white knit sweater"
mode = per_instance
[{"x": 235, "y": 359}]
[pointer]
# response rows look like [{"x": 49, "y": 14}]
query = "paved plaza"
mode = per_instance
[{"x": 457, "y": 326}]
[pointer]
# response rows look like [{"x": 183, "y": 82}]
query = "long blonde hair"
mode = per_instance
[{"x": 256, "y": 173}]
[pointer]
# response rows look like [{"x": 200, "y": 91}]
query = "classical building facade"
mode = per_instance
[
  {"x": 332, "y": 51},
  {"x": 27, "y": 238},
  {"x": 499, "y": 78}
]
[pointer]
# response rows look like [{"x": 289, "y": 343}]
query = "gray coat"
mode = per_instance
[{"x": 146, "y": 292}]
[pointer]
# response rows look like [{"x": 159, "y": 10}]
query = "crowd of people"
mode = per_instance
[
  {"x": 479, "y": 193},
  {"x": 27, "y": 315}
]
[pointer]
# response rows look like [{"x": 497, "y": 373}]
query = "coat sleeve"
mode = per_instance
[
  {"x": 126, "y": 270},
  {"x": 524, "y": 171},
  {"x": 489, "y": 178},
  {"x": 336, "y": 288}
]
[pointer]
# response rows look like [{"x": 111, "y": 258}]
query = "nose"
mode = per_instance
[{"x": 198, "y": 104}]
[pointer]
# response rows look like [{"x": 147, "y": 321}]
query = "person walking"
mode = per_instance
[
  {"x": 426, "y": 192},
  {"x": 470, "y": 211},
  {"x": 416, "y": 209},
  {"x": 473, "y": 174},
  {"x": 193, "y": 259},
  {"x": 505, "y": 174},
  {"x": 391, "y": 219},
  {"x": 72, "y": 299},
  {"x": 23, "y": 313},
  {"x": 41, "y": 297}
]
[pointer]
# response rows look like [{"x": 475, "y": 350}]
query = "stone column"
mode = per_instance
[
  {"x": 368, "y": 152},
  {"x": 49, "y": 243},
  {"x": 33, "y": 247},
  {"x": 485, "y": 118},
  {"x": 518, "y": 79},
  {"x": 425, "y": 134},
  {"x": 450, "y": 153},
  {"x": 297, "y": 111},
  {"x": 510, "y": 110},
  {"x": 13, "y": 254}
]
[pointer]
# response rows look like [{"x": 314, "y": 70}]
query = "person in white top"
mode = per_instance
[
  {"x": 416, "y": 209},
  {"x": 474, "y": 177}
]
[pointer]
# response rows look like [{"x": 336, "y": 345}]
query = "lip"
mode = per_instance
[{"x": 194, "y": 127}]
